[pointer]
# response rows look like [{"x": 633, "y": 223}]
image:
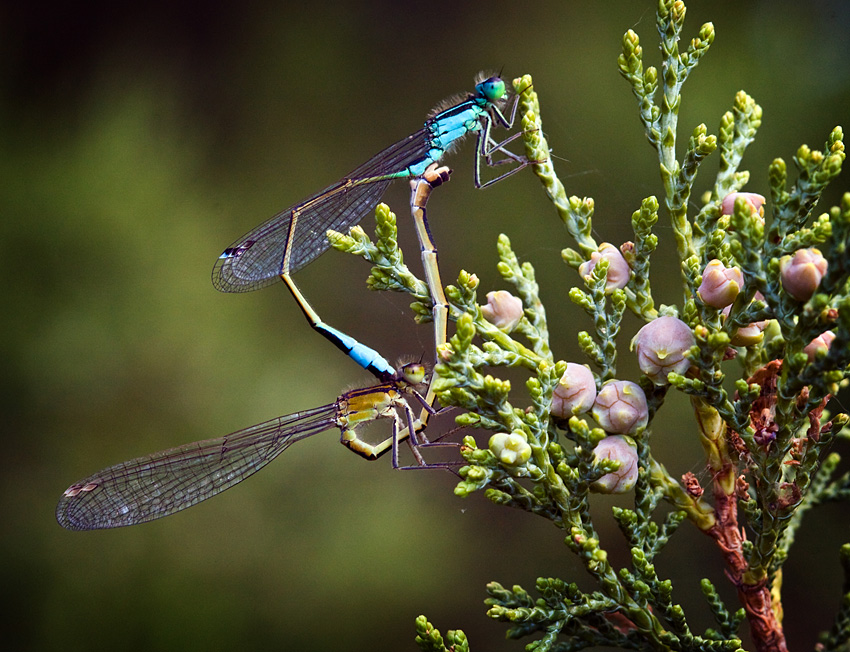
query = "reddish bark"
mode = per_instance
[{"x": 765, "y": 627}]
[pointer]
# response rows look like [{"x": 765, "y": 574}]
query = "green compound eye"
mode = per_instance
[
  {"x": 413, "y": 373},
  {"x": 491, "y": 89}
]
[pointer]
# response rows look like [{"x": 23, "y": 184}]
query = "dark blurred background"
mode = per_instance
[{"x": 138, "y": 140}]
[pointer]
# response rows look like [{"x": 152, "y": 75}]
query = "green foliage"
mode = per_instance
[
  {"x": 766, "y": 443},
  {"x": 429, "y": 639}
]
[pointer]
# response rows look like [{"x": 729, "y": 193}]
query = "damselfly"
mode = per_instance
[
  {"x": 163, "y": 483},
  {"x": 296, "y": 236}
]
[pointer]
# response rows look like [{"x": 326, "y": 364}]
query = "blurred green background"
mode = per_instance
[{"x": 139, "y": 140}]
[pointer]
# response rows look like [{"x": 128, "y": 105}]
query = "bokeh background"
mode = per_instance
[{"x": 140, "y": 139}]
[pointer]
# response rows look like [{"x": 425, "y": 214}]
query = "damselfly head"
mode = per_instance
[
  {"x": 491, "y": 89},
  {"x": 412, "y": 373}
]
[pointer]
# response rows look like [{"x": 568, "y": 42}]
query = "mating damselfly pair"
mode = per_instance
[{"x": 162, "y": 483}]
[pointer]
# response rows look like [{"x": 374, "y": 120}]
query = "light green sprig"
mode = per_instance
[
  {"x": 644, "y": 84},
  {"x": 791, "y": 208},
  {"x": 835, "y": 280},
  {"x": 429, "y": 639},
  {"x": 639, "y": 292},
  {"x": 737, "y": 130},
  {"x": 389, "y": 271},
  {"x": 660, "y": 121},
  {"x": 595, "y": 302},
  {"x": 533, "y": 326},
  {"x": 727, "y": 622}
]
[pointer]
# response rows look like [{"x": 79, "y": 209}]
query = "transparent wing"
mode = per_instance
[
  {"x": 160, "y": 484},
  {"x": 256, "y": 259}
]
